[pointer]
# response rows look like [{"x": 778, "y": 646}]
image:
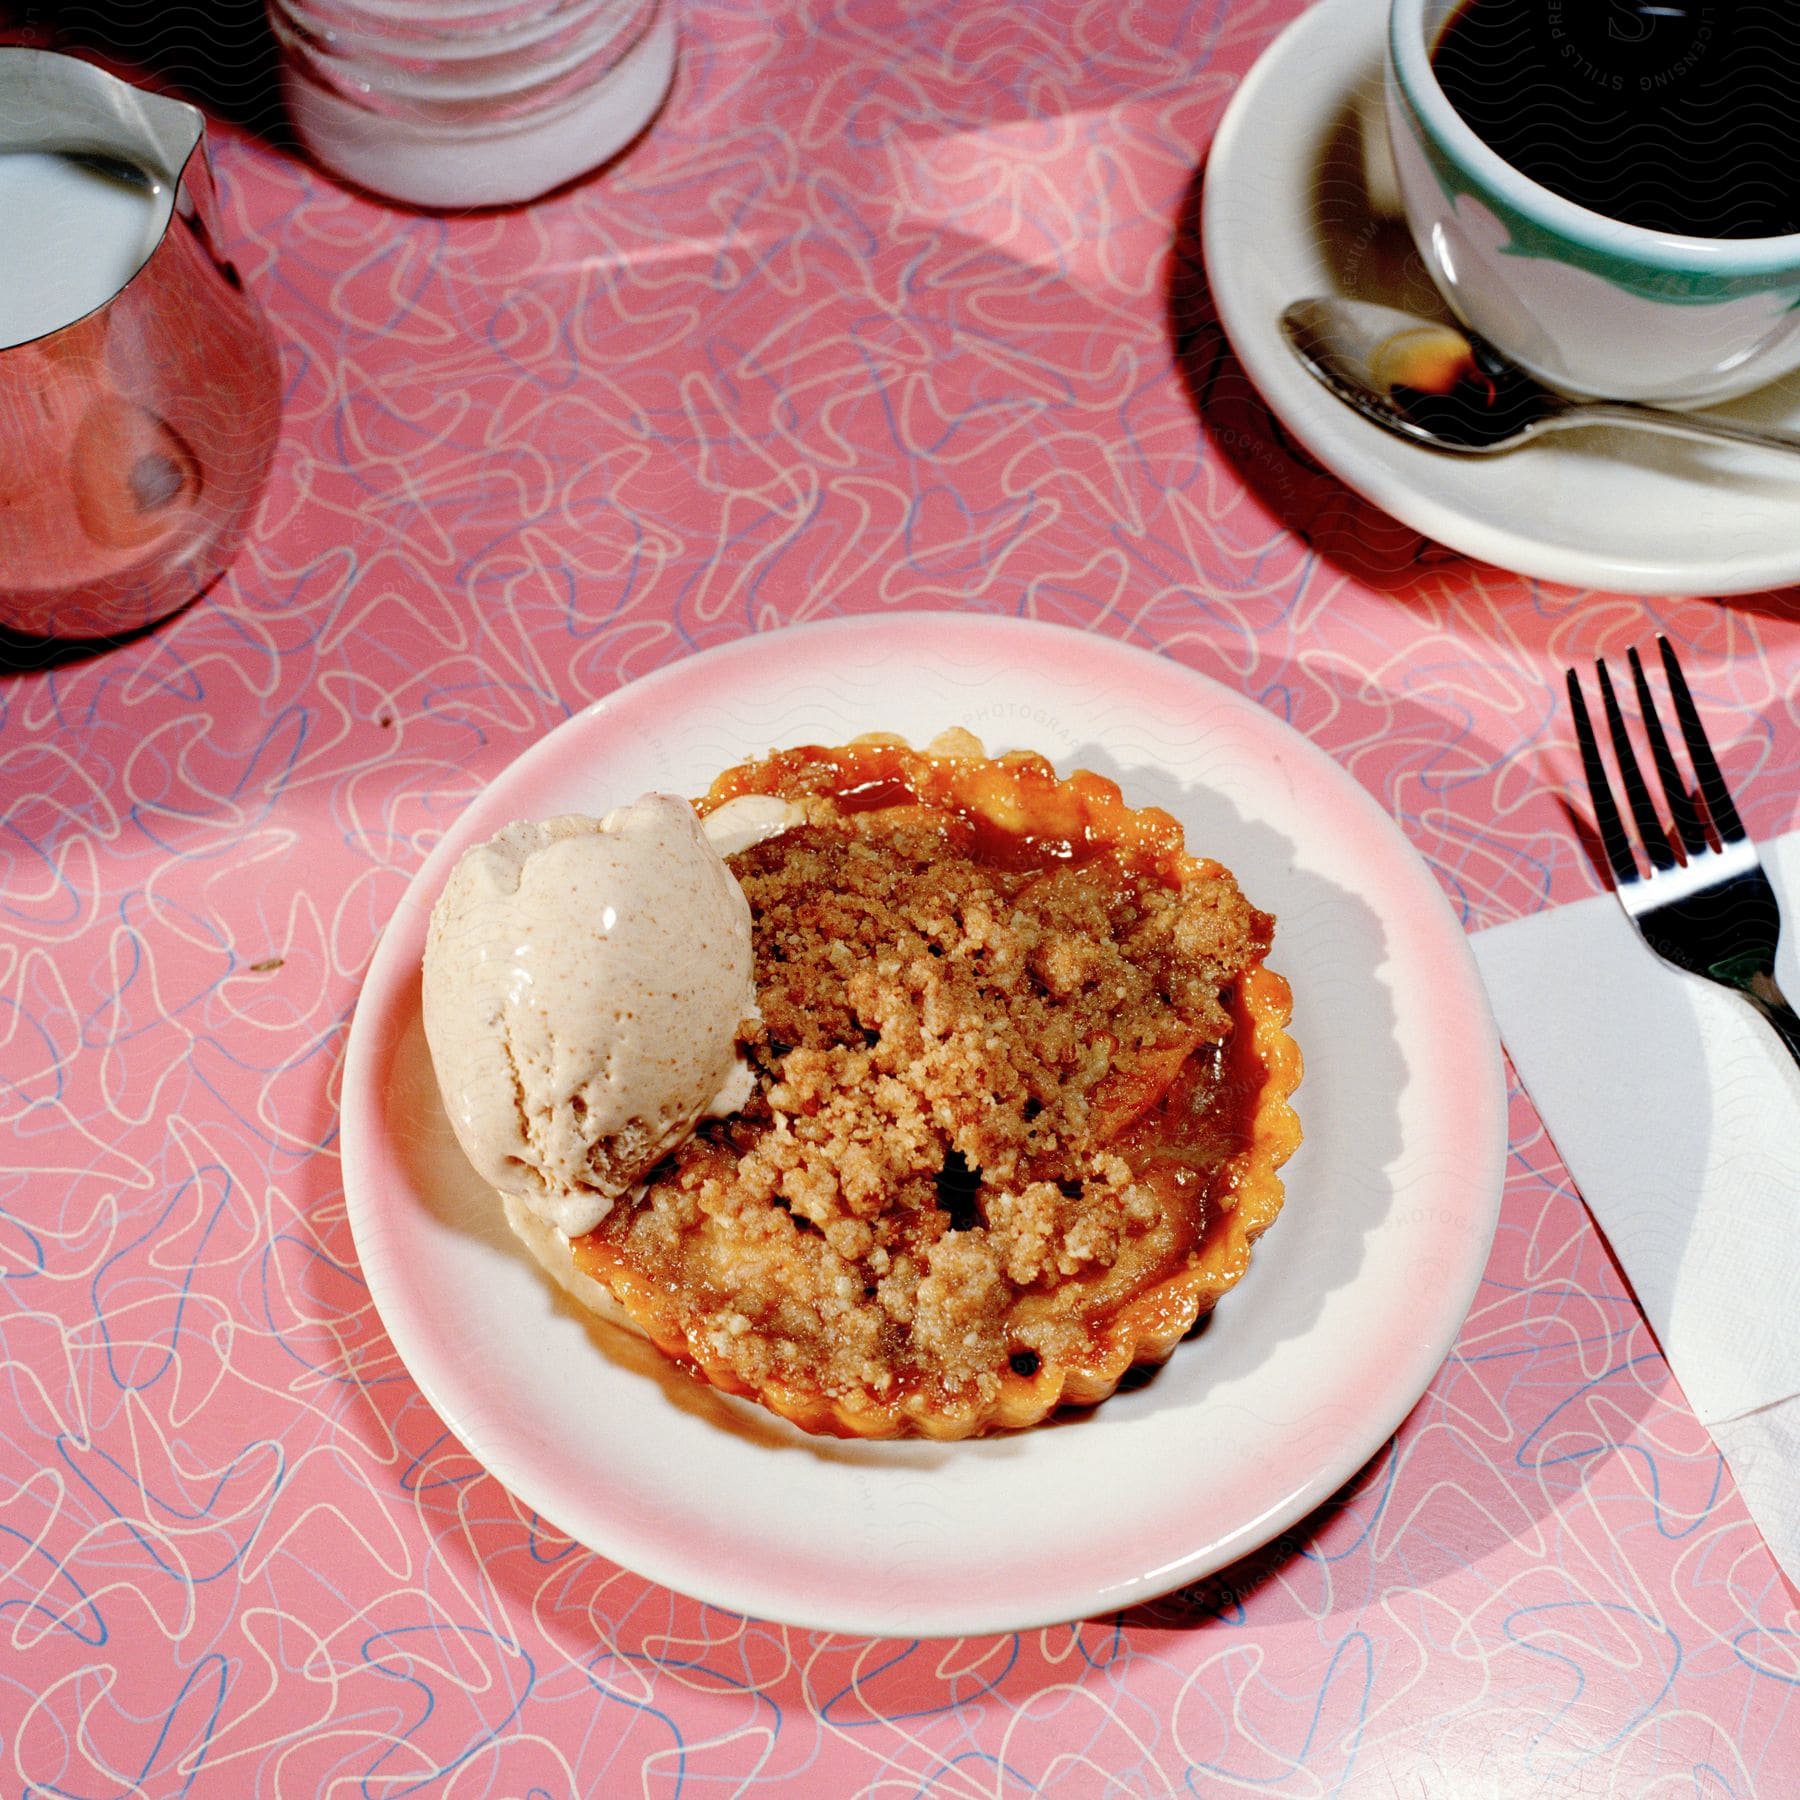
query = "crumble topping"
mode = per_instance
[{"x": 993, "y": 1086}]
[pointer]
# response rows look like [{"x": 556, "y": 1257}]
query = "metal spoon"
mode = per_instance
[{"x": 1437, "y": 385}]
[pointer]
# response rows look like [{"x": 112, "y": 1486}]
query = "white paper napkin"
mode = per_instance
[{"x": 1678, "y": 1113}]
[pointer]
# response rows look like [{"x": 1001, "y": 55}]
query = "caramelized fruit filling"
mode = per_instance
[{"x": 1000, "y": 1083}]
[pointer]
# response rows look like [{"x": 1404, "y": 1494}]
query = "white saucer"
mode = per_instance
[{"x": 1284, "y": 215}]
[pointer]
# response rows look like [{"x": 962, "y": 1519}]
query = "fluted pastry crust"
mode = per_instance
[{"x": 1022, "y": 1099}]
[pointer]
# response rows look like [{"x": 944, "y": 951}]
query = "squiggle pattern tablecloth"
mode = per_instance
[{"x": 897, "y": 304}]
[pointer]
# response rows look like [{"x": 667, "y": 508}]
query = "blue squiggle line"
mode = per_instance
[{"x": 28, "y": 1608}]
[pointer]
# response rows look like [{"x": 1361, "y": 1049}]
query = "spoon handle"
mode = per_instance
[{"x": 1675, "y": 424}]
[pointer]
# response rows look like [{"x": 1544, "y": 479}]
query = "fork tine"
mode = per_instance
[
  {"x": 1675, "y": 790},
  {"x": 1706, "y": 766},
  {"x": 1650, "y": 828},
  {"x": 1606, "y": 814}
]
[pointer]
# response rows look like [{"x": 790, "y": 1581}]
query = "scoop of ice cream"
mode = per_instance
[{"x": 584, "y": 983}]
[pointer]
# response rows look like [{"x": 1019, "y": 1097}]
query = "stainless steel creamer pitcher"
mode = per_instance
[{"x": 134, "y": 438}]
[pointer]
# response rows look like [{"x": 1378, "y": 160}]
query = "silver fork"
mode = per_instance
[{"x": 1709, "y": 909}]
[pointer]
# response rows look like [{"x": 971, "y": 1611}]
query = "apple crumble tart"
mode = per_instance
[{"x": 1020, "y": 1094}]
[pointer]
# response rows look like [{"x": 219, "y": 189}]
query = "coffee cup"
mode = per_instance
[{"x": 1594, "y": 304}]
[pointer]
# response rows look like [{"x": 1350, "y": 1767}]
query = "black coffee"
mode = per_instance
[{"x": 1680, "y": 117}]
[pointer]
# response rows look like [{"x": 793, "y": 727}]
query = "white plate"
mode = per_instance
[
  {"x": 1306, "y": 1368},
  {"x": 1284, "y": 215}
]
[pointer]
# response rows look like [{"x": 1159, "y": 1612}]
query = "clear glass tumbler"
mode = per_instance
[{"x": 459, "y": 103}]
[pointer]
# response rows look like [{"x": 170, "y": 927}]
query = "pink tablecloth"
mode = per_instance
[{"x": 895, "y": 306}]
